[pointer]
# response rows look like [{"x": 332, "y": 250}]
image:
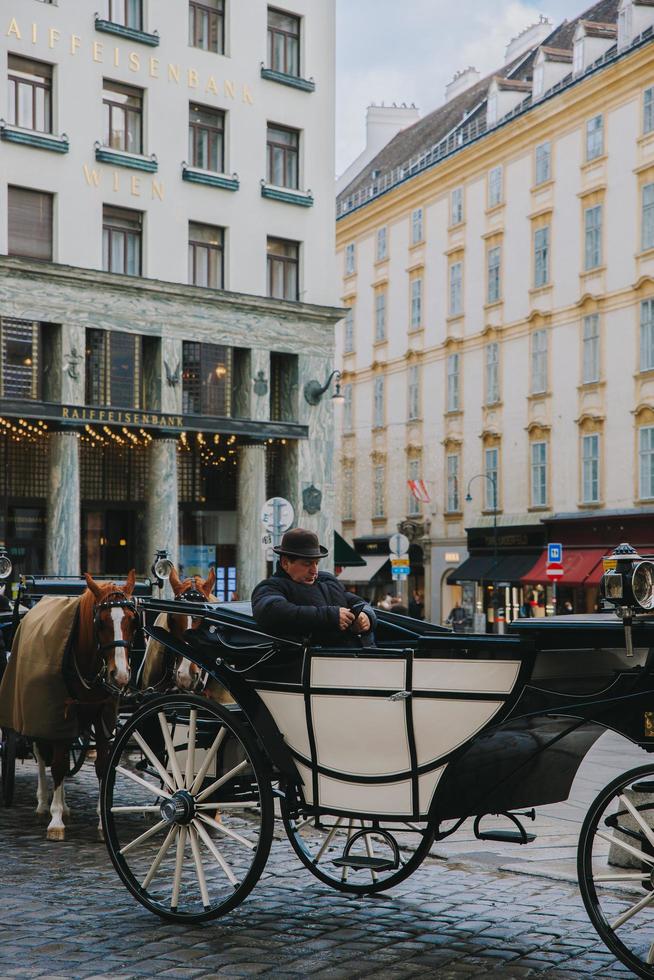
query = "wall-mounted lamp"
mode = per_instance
[{"x": 313, "y": 390}]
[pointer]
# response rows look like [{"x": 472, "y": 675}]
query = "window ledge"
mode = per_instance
[
  {"x": 541, "y": 290},
  {"x": 489, "y": 512},
  {"x": 294, "y": 81},
  {"x": 380, "y": 342},
  {"x": 598, "y": 270},
  {"x": 29, "y": 137},
  {"x": 453, "y": 515},
  {"x": 454, "y": 317},
  {"x": 494, "y": 209},
  {"x": 645, "y": 253},
  {"x": 538, "y": 509},
  {"x": 120, "y": 158},
  {"x": 287, "y": 195},
  {"x": 452, "y": 413},
  {"x": 349, "y": 353},
  {"x": 417, "y": 244},
  {"x": 379, "y": 262},
  {"x": 644, "y": 374},
  {"x": 379, "y": 519},
  {"x": 414, "y": 330},
  {"x": 589, "y": 164},
  {"x": 646, "y": 138},
  {"x": 494, "y": 305},
  {"x": 143, "y": 37},
  {"x": 415, "y": 421},
  {"x": 591, "y": 386},
  {"x": 379, "y": 428},
  {"x": 590, "y": 505},
  {"x": 544, "y": 185},
  {"x": 536, "y": 396},
  {"x": 209, "y": 178},
  {"x": 347, "y": 433},
  {"x": 491, "y": 406},
  {"x": 644, "y": 501},
  {"x": 457, "y": 225}
]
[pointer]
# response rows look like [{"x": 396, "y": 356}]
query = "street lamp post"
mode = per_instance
[{"x": 493, "y": 482}]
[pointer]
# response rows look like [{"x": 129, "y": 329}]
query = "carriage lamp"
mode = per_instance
[
  {"x": 628, "y": 584},
  {"x": 161, "y": 568},
  {"x": 6, "y": 567}
]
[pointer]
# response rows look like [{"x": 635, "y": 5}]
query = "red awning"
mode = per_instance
[{"x": 581, "y": 566}]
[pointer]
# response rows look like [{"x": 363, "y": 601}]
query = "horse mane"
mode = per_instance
[{"x": 85, "y": 635}]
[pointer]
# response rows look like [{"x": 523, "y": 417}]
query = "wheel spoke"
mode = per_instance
[
  {"x": 163, "y": 850},
  {"x": 147, "y": 751},
  {"x": 143, "y": 837},
  {"x": 206, "y": 839},
  {"x": 650, "y": 955},
  {"x": 210, "y": 756},
  {"x": 190, "y": 753},
  {"x": 370, "y": 849},
  {"x": 327, "y": 840},
  {"x": 632, "y": 911},
  {"x": 647, "y": 831},
  {"x": 179, "y": 863},
  {"x": 226, "y": 831},
  {"x": 157, "y": 790},
  {"x": 170, "y": 748},
  {"x": 135, "y": 809},
  {"x": 223, "y": 779},
  {"x": 627, "y": 876},
  {"x": 645, "y": 858},
  {"x": 227, "y": 806},
  {"x": 199, "y": 870},
  {"x": 345, "y": 871}
]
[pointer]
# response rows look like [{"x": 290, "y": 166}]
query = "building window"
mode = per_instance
[
  {"x": 206, "y": 25},
  {"x": 542, "y": 256},
  {"x": 543, "y": 162},
  {"x": 591, "y": 349},
  {"x": 413, "y": 473},
  {"x": 206, "y": 379},
  {"x": 453, "y": 387},
  {"x": 453, "y": 502},
  {"x": 19, "y": 359},
  {"x": 378, "y": 503},
  {"x": 113, "y": 368},
  {"x": 129, "y": 13},
  {"x": 348, "y": 417},
  {"x": 492, "y": 373},
  {"x": 594, "y": 137},
  {"x": 283, "y": 42},
  {"x": 121, "y": 240},
  {"x": 647, "y": 335},
  {"x": 593, "y": 237},
  {"x": 380, "y": 316},
  {"x": 495, "y": 187},
  {"x": 348, "y": 493},
  {"x": 381, "y": 251},
  {"x": 348, "y": 333},
  {"x": 539, "y": 474},
  {"x": 648, "y": 217},
  {"x": 646, "y": 461},
  {"x": 538, "y": 361},
  {"x": 414, "y": 392},
  {"x": 456, "y": 288},
  {"x": 283, "y": 269},
  {"x": 206, "y": 255},
  {"x": 590, "y": 488},
  {"x": 648, "y": 110},
  {"x": 30, "y": 223},
  {"x": 491, "y": 470},
  {"x": 378, "y": 407},
  {"x": 416, "y": 226},
  {"x": 206, "y": 138},
  {"x": 123, "y": 117},
  {"x": 283, "y": 156},
  {"x": 349, "y": 259},
  {"x": 494, "y": 259},
  {"x": 416, "y": 304},
  {"x": 456, "y": 206},
  {"x": 30, "y": 94}
]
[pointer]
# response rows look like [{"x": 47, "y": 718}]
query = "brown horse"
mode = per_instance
[{"x": 100, "y": 670}]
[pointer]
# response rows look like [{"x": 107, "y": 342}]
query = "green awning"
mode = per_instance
[{"x": 344, "y": 553}]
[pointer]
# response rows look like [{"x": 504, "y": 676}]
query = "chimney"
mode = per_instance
[
  {"x": 463, "y": 80},
  {"x": 383, "y": 122},
  {"x": 531, "y": 37}
]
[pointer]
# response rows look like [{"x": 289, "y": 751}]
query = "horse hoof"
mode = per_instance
[
  {"x": 42, "y": 811},
  {"x": 56, "y": 833}
]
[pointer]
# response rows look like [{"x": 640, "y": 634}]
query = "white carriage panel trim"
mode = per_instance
[
  {"x": 427, "y": 784},
  {"x": 352, "y": 672},
  {"x": 475, "y": 676},
  {"x": 290, "y": 717},
  {"x": 181, "y": 741},
  {"x": 360, "y": 736},
  {"x": 305, "y": 776},
  {"x": 441, "y": 726},
  {"x": 390, "y": 799}
]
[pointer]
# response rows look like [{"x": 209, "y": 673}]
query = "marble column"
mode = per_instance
[
  {"x": 251, "y": 562},
  {"x": 62, "y": 555},
  {"x": 162, "y": 501}
]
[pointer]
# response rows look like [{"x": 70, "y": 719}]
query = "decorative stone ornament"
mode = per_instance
[
  {"x": 172, "y": 377},
  {"x": 311, "y": 499},
  {"x": 260, "y": 384}
]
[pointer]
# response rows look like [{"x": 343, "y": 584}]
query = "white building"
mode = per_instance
[{"x": 166, "y": 181}]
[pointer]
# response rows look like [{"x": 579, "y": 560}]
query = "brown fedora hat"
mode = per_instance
[{"x": 299, "y": 543}]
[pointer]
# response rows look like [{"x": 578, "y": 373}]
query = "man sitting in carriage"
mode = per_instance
[{"x": 300, "y": 601}]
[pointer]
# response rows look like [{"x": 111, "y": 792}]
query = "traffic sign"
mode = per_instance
[
  {"x": 277, "y": 515},
  {"x": 401, "y": 570},
  {"x": 554, "y": 572},
  {"x": 398, "y": 544},
  {"x": 399, "y": 561},
  {"x": 554, "y": 554}
]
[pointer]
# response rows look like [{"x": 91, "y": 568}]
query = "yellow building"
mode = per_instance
[{"x": 498, "y": 260}]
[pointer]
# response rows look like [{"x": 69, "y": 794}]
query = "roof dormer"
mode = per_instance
[
  {"x": 591, "y": 40},
  {"x": 504, "y": 95},
  {"x": 634, "y": 17},
  {"x": 551, "y": 66}
]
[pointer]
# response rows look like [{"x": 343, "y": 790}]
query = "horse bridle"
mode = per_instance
[
  {"x": 114, "y": 600},
  {"x": 191, "y": 595}
]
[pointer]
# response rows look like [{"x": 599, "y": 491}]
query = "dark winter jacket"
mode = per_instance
[{"x": 287, "y": 608}]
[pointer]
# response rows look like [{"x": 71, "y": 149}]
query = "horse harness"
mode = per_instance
[{"x": 114, "y": 600}]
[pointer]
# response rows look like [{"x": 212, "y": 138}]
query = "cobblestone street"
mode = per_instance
[{"x": 65, "y": 914}]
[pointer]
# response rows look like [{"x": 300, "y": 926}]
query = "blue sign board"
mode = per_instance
[
  {"x": 401, "y": 570},
  {"x": 554, "y": 554}
]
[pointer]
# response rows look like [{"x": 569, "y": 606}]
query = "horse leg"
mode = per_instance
[
  {"x": 42, "y": 785},
  {"x": 56, "y": 829}
]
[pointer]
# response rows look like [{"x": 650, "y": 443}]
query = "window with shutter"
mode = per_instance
[{"x": 30, "y": 223}]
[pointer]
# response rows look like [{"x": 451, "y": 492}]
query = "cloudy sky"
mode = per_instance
[{"x": 407, "y": 51}]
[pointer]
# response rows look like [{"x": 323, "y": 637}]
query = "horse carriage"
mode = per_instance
[{"x": 369, "y": 755}]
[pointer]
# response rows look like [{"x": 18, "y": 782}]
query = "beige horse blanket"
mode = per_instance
[{"x": 34, "y": 698}]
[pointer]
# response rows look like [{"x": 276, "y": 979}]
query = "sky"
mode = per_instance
[{"x": 407, "y": 51}]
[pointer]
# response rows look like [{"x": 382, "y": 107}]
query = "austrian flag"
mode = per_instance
[{"x": 419, "y": 490}]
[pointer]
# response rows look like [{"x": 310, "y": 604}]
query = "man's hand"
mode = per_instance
[
  {"x": 362, "y": 624},
  {"x": 345, "y": 618}
]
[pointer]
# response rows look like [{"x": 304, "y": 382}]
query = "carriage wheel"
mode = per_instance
[
  {"x": 77, "y": 753},
  {"x": 379, "y": 856},
  {"x": 8, "y": 764},
  {"x": 615, "y": 865},
  {"x": 187, "y": 808}
]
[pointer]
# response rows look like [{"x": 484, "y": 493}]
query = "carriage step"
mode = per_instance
[
  {"x": 363, "y": 862},
  {"x": 507, "y": 836}
]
